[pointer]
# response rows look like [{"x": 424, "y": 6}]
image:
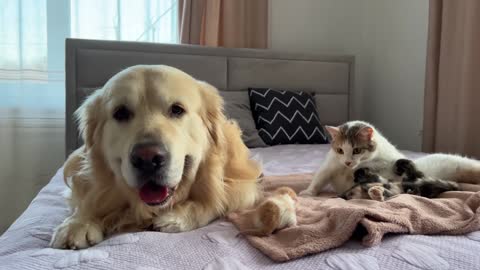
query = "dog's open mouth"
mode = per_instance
[{"x": 153, "y": 194}]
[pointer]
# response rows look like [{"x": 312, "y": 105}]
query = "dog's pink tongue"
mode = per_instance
[{"x": 153, "y": 194}]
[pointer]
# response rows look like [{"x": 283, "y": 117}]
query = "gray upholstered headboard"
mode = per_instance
[{"x": 90, "y": 63}]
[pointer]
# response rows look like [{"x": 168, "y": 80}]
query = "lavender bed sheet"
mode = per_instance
[{"x": 25, "y": 244}]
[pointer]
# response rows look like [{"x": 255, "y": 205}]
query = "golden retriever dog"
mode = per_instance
[{"x": 158, "y": 154}]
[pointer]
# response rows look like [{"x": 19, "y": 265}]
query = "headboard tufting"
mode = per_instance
[{"x": 90, "y": 63}]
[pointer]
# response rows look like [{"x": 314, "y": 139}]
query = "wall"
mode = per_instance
[
  {"x": 394, "y": 91},
  {"x": 388, "y": 38},
  {"x": 323, "y": 27}
]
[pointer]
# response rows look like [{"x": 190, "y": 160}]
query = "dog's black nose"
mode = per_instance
[{"x": 147, "y": 158}]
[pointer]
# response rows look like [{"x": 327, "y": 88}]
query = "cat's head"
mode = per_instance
[{"x": 353, "y": 142}]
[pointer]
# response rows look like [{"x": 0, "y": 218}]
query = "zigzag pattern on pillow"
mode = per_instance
[{"x": 284, "y": 117}]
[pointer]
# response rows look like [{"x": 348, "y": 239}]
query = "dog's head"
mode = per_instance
[{"x": 152, "y": 126}]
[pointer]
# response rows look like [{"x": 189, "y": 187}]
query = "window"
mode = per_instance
[
  {"x": 32, "y": 38},
  {"x": 133, "y": 20}
]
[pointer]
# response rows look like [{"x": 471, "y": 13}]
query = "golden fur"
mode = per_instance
[
  {"x": 104, "y": 196},
  {"x": 274, "y": 213}
]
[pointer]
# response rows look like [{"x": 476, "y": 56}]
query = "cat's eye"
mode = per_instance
[
  {"x": 122, "y": 114},
  {"x": 340, "y": 151},
  {"x": 176, "y": 110},
  {"x": 357, "y": 151}
]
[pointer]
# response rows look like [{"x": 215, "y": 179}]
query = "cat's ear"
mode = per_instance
[
  {"x": 365, "y": 133},
  {"x": 334, "y": 131}
]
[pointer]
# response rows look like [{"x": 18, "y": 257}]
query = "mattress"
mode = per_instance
[{"x": 25, "y": 244}]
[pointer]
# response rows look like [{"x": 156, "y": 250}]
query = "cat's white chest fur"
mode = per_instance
[
  {"x": 333, "y": 172},
  {"x": 342, "y": 180}
]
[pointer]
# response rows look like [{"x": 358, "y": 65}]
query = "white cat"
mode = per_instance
[{"x": 358, "y": 144}]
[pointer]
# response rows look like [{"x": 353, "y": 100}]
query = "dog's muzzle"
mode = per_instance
[{"x": 149, "y": 160}]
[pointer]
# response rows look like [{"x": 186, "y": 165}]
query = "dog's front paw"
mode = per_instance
[
  {"x": 75, "y": 233},
  {"x": 171, "y": 222}
]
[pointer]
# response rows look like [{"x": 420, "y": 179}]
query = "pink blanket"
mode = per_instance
[{"x": 326, "y": 222}]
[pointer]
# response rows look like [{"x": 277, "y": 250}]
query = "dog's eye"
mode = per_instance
[
  {"x": 122, "y": 114},
  {"x": 176, "y": 110}
]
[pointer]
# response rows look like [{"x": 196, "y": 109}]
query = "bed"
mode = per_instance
[{"x": 90, "y": 63}]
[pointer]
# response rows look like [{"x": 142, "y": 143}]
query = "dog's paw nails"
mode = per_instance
[
  {"x": 170, "y": 228},
  {"x": 75, "y": 234},
  {"x": 170, "y": 223}
]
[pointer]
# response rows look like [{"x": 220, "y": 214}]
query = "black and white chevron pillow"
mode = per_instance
[{"x": 284, "y": 117}]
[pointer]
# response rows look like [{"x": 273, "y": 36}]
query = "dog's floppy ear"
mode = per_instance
[
  {"x": 212, "y": 116},
  {"x": 88, "y": 117}
]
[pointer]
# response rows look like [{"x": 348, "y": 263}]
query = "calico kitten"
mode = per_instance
[
  {"x": 417, "y": 183},
  {"x": 354, "y": 145},
  {"x": 358, "y": 144},
  {"x": 412, "y": 181},
  {"x": 369, "y": 185}
]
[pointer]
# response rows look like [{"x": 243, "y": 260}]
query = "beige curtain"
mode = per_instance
[
  {"x": 224, "y": 23},
  {"x": 452, "y": 94}
]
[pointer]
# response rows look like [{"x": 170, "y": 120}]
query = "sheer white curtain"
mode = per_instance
[
  {"x": 32, "y": 34},
  {"x": 32, "y": 87},
  {"x": 147, "y": 20},
  {"x": 24, "y": 59}
]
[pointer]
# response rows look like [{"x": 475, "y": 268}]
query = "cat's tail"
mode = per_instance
[{"x": 450, "y": 167}]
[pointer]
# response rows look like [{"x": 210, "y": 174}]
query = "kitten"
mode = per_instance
[
  {"x": 358, "y": 144},
  {"x": 373, "y": 186},
  {"x": 274, "y": 213},
  {"x": 354, "y": 145}
]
